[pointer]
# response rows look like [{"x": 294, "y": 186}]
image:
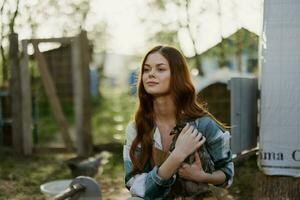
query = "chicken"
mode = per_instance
[
  {"x": 185, "y": 187},
  {"x": 81, "y": 166}
]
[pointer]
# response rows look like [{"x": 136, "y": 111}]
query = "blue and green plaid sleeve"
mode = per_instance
[
  {"x": 218, "y": 145},
  {"x": 147, "y": 185}
]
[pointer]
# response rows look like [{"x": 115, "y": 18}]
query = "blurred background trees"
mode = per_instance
[
  {"x": 177, "y": 23},
  {"x": 212, "y": 34}
]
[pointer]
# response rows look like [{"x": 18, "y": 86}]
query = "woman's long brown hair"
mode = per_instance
[{"x": 184, "y": 95}]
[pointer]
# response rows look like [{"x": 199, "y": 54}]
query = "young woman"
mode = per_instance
[{"x": 167, "y": 97}]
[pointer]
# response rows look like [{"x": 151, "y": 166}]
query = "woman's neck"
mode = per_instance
[{"x": 164, "y": 109}]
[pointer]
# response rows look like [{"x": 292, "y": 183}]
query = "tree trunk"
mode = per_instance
[
  {"x": 239, "y": 52},
  {"x": 197, "y": 56}
]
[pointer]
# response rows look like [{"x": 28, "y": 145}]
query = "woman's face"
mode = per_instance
[{"x": 156, "y": 75}]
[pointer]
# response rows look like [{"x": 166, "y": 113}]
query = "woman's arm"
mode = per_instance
[
  {"x": 196, "y": 173},
  {"x": 218, "y": 146},
  {"x": 217, "y": 143},
  {"x": 148, "y": 184},
  {"x": 188, "y": 141}
]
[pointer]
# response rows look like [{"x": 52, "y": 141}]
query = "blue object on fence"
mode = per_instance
[
  {"x": 94, "y": 82},
  {"x": 132, "y": 82}
]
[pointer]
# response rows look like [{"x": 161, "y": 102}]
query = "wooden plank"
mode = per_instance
[
  {"x": 241, "y": 158},
  {"x": 15, "y": 90},
  {"x": 81, "y": 86},
  {"x": 53, "y": 99},
  {"x": 63, "y": 40},
  {"x": 50, "y": 150},
  {"x": 111, "y": 147},
  {"x": 26, "y": 102}
]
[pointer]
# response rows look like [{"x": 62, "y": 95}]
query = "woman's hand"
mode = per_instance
[
  {"x": 193, "y": 172},
  {"x": 188, "y": 141}
]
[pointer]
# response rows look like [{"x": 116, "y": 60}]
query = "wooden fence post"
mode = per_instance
[
  {"x": 26, "y": 101},
  {"x": 21, "y": 100},
  {"x": 81, "y": 85}
]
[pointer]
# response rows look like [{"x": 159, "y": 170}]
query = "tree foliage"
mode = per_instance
[
  {"x": 173, "y": 16},
  {"x": 9, "y": 12},
  {"x": 47, "y": 18},
  {"x": 169, "y": 17}
]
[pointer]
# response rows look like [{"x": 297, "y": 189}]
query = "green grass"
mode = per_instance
[
  {"x": 21, "y": 176},
  {"x": 243, "y": 185},
  {"x": 110, "y": 119},
  {"x": 111, "y": 113}
]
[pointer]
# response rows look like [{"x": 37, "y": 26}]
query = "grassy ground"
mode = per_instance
[{"x": 20, "y": 177}]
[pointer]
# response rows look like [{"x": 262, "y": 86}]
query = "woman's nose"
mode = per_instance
[{"x": 152, "y": 72}]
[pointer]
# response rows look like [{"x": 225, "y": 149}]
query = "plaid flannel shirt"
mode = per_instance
[{"x": 149, "y": 185}]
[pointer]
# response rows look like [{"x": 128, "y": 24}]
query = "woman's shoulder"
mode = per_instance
[
  {"x": 208, "y": 125},
  {"x": 130, "y": 126},
  {"x": 130, "y": 132},
  {"x": 211, "y": 129},
  {"x": 204, "y": 122}
]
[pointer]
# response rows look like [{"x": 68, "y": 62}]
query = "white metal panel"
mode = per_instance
[{"x": 280, "y": 89}]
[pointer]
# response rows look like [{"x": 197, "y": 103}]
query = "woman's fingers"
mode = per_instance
[
  {"x": 186, "y": 131},
  {"x": 184, "y": 165},
  {"x": 190, "y": 129},
  {"x": 180, "y": 171},
  {"x": 190, "y": 133},
  {"x": 189, "y": 140},
  {"x": 185, "y": 128},
  {"x": 199, "y": 136},
  {"x": 195, "y": 132},
  {"x": 201, "y": 142},
  {"x": 197, "y": 157}
]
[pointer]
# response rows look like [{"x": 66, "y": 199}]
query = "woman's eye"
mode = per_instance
[
  {"x": 146, "y": 69},
  {"x": 161, "y": 69}
]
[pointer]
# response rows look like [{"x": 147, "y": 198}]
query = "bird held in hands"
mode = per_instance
[{"x": 188, "y": 188}]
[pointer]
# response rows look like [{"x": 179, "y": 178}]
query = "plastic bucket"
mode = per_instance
[{"x": 53, "y": 188}]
